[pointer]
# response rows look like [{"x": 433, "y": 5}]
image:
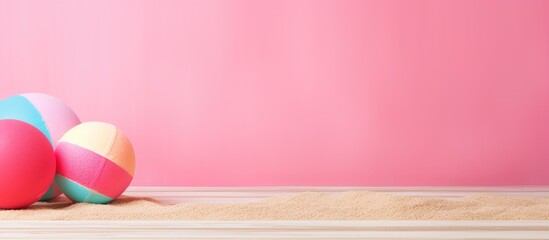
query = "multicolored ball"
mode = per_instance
[
  {"x": 46, "y": 113},
  {"x": 95, "y": 163},
  {"x": 27, "y": 164}
]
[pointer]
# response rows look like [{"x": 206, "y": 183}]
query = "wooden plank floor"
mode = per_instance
[
  {"x": 276, "y": 229},
  {"x": 238, "y": 194},
  {"x": 284, "y": 229}
]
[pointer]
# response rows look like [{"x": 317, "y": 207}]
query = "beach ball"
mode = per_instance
[
  {"x": 95, "y": 163},
  {"x": 46, "y": 113},
  {"x": 27, "y": 164}
]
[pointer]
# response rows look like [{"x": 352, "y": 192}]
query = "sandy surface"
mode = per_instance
[{"x": 303, "y": 206}]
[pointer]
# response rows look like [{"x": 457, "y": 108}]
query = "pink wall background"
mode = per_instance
[{"x": 274, "y": 92}]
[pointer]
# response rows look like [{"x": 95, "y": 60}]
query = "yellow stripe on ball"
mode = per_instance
[{"x": 105, "y": 140}]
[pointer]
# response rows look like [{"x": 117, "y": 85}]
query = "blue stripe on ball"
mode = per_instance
[
  {"x": 79, "y": 193},
  {"x": 49, "y": 194},
  {"x": 20, "y": 108}
]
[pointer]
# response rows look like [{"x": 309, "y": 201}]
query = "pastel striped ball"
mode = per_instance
[
  {"x": 46, "y": 113},
  {"x": 95, "y": 163}
]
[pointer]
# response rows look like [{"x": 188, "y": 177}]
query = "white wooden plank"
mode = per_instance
[
  {"x": 240, "y": 194},
  {"x": 278, "y": 229}
]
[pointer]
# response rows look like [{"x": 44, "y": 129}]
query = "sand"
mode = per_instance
[{"x": 302, "y": 206}]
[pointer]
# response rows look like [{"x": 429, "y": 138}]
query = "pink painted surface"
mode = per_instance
[{"x": 275, "y": 92}]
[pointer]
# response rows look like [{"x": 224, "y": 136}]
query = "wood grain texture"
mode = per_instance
[{"x": 277, "y": 229}]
